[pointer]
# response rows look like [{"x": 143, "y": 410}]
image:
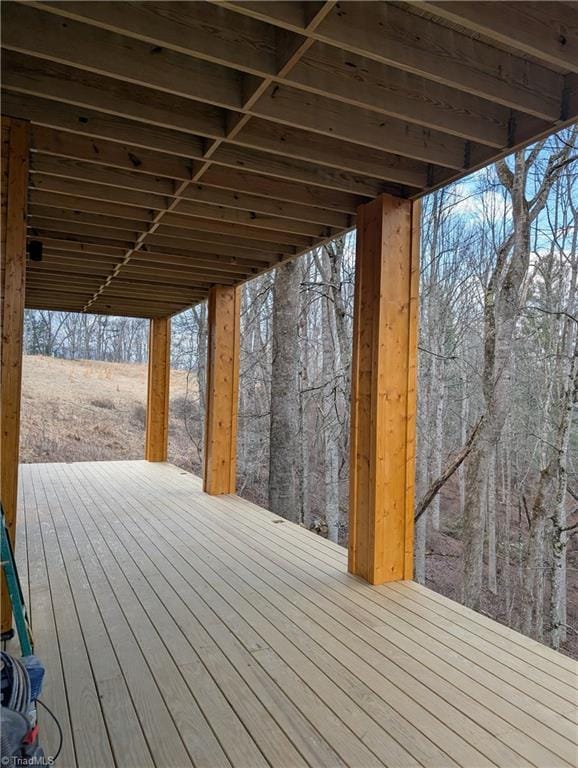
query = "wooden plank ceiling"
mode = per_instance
[{"x": 181, "y": 144}]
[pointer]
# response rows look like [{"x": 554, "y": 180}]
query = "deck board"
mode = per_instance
[
  {"x": 181, "y": 630},
  {"x": 488, "y": 719}
]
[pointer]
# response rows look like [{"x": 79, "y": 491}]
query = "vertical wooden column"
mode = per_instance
[
  {"x": 14, "y": 187},
  {"x": 220, "y": 469},
  {"x": 159, "y": 369},
  {"x": 384, "y": 391}
]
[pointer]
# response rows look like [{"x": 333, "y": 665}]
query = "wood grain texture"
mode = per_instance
[
  {"x": 547, "y": 31},
  {"x": 383, "y": 392},
  {"x": 158, "y": 382},
  {"x": 253, "y": 118},
  {"x": 196, "y": 630},
  {"x": 220, "y": 466},
  {"x": 395, "y": 36},
  {"x": 98, "y": 51},
  {"x": 411, "y": 404},
  {"x": 14, "y": 177}
]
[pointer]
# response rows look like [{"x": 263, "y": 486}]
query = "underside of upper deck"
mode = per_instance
[
  {"x": 177, "y": 145},
  {"x": 184, "y": 629}
]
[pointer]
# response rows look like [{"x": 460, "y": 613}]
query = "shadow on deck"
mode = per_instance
[{"x": 180, "y": 629}]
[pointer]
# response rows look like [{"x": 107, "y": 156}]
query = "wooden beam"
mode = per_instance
[
  {"x": 77, "y": 233},
  {"x": 27, "y": 30},
  {"x": 36, "y": 225},
  {"x": 86, "y": 205},
  {"x": 383, "y": 391},
  {"x": 258, "y": 184},
  {"x": 76, "y": 261},
  {"x": 115, "y": 97},
  {"x": 357, "y": 80},
  {"x": 43, "y": 35},
  {"x": 159, "y": 369},
  {"x": 126, "y": 156},
  {"x": 231, "y": 264},
  {"x": 216, "y": 213},
  {"x": 44, "y": 275},
  {"x": 215, "y": 242},
  {"x": 221, "y": 253},
  {"x": 547, "y": 31},
  {"x": 87, "y": 122},
  {"x": 251, "y": 48},
  {"x": 59, "y": 303},
  {"x": 100, "y": 174},
  {"x": 137, "y": 304},
  {"x": 66, "y": 245},
  {"x": 376, "y": 30},
  {"x": 291, "y": 153},
  {"x": 97, "y": 191},
  {"x": 14, "y": 186},
  {"x": 299, "y": 155},
  {"x": 180, "y": 226},
  {"x": 188, "y": 279},
  {"x": 381, "y": 31},
  {"x": 264, "y": 193},
  {"x": 324, "y": 115},
  {"x": 125, "y": 288},
  {"x": 241, "y": 206},
  {"x": 394, "y": 36},
  {"x": 62, "y": 286},
  {"x": 48, "y": 213},
  {"x": 230, "y": 268},
  {"x": 37, "y": 78},
  {"x": 222, "y": 391},
  {"x": 216, "y": 203}
]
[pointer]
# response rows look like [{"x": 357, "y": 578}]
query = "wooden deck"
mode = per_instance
[{"x": 180, "y": 629}]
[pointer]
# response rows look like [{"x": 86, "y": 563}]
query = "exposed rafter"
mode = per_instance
[
  {"x": 180, "y": 145},
  {"x": 547, "y": 31}
]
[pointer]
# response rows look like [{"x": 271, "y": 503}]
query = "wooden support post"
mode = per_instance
[
  {"x": 14, "y": 188},
  {"x": 159, "y": 369},
  {"x": 384, "y": 391},
  {"x": 220, "y": 470}
]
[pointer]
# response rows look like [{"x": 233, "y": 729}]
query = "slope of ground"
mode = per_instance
[{"x": 84, "y": 410}]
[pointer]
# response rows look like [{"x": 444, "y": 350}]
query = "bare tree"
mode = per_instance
[
  {"x": 505, "y": 296},
  {"x": 284, "y": 454}
]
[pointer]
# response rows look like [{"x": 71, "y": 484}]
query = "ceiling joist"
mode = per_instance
[{"x": 208, "y": 141}]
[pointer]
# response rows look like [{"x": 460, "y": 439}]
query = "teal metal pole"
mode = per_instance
[{"x": 15, "y": 591}]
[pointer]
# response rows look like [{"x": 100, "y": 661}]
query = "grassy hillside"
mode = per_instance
[{"x": 83, "y": 410}]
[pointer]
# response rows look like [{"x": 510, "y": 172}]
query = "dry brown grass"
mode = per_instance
[{"x": 83, "y": 410}]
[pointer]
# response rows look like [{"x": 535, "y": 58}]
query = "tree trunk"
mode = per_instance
[
  {"x": 200, "y": 315},
  {"x": 283, "y": 458},
  {"x": 534, "y": 557},
  {"x": 464, "y": 412},
  {"x": 503, "y": 301},
  {"x": 438, "y": 384},
  {"x": 491, "y": 508},
  {"x": 303, "y": 425},
  {"x": 421, "y": 484},
  {"x": 559, "y": 535},
  {"x": 330, "y": 373},
  {"x": 506, "y": 539}
]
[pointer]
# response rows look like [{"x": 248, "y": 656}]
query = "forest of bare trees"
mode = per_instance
[
  {"x": 496, "y": 470},
  {"x": 86, "y": 337}
]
